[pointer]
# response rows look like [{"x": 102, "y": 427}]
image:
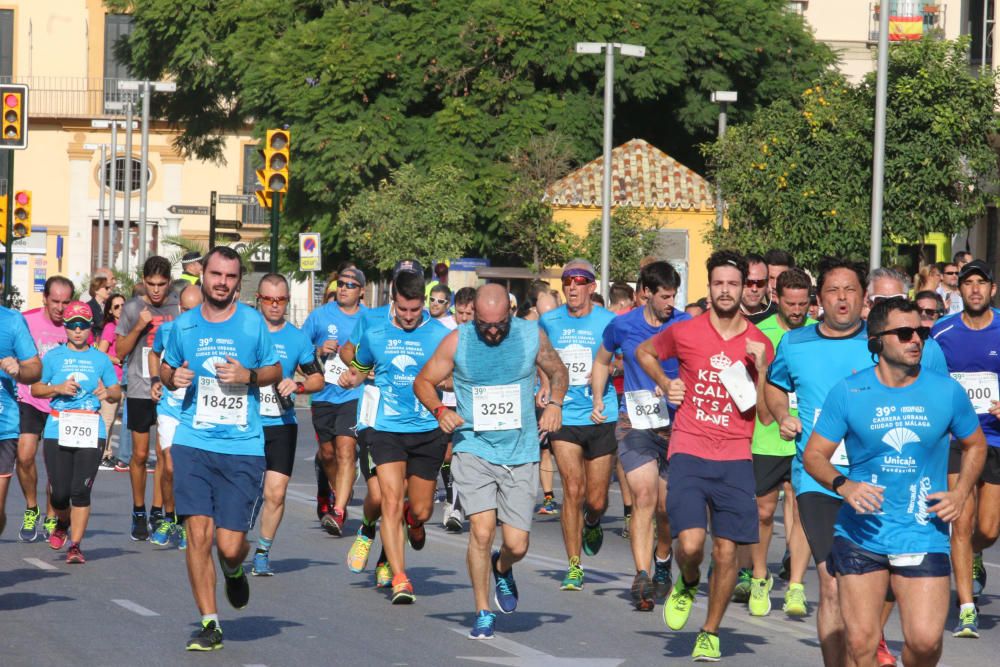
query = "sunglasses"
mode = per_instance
[
  {"x": 344, "y": 283},
  {"x": 439, "y": 302},
  {"x": 951, "y": 273},
  {"x": 931, "y": 313},
  {"x": 576, "y": 280},
  {"x": 882, "y": 297},
  {"x": 756, "y": 283},
  {"x": 77, "y": 325},
  {"x": 905, "y": 334},
  {"x": 273, "y": 300}
]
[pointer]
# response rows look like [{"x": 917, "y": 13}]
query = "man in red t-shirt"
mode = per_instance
[{"x": 723, "y": 359}]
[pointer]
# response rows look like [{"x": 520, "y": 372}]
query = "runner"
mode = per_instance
[
  {"x": 19, "y": 362},
  {"x": 893, "y": 420},
  {"x": 949, "y": 289},
  {"x": 405, "y": 443},
  {"x": 220, "y": 354},
  {"x": 334, "y": 408},
  {"x": 106, "y": 344},
  {"x": 584, "y": 450},
  {"x": 140, "y": 318},
  {"x": 643, "y": 450},
  {"x": 439, "y": 306},
  {"x": 46, "y": 327},
  {"x": 621, "y": 296},
  {"x": 168, "y": 415},
  {"x": 778, "y": 261},
  {"x": 930, "y": 306},
  {"x": 722, "y": 357},
  {"x": 494, "y": 363},
  {"x": 756, "y": 303},
  {"x": 76, "y": 378},
  {"x": 772, "y": 464},
  {"x": 971, "y": 343},
  {"x": 277, "y": 410}
]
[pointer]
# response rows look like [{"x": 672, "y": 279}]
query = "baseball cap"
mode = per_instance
[
  {"x": 975, "y": 266},
  {"x": 77, "y": 311},
  {"x": 411, "y": 265},
  {"x": 353, "y": 273}
]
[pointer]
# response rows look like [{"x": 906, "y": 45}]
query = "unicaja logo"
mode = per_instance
[{"x": 899, "y": 437}]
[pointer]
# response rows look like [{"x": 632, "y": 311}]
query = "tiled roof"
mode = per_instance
[{"x": 641, "y": 176}]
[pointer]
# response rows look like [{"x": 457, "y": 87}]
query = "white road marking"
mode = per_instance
[
  {"x": 135, "y": 608},
  {"x": 525, "y": 656},
  {"x": 40, "y": 564}
]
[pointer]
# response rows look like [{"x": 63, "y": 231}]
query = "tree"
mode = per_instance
[
  {"x": 411, "y": 215},
  {"x": 368, "y": 86},
  {"x": 633, "y": 236},
  {"x": 799, "y": 175}
]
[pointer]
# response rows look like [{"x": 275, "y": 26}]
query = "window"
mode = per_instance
[
  {"x": 252, "y": 214},
  {"x": 120, "y": 174},
  {"x": 116, "y": 26},
  {"x": 977, "y": 8}
]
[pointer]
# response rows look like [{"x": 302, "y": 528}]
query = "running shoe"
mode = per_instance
[
  {"x": 548, "y": 506},
  {"x": 663, "y": 580},
  {"x": 453, "y": 524},
  {"x": 593, "y": 538},
  {"x": 357, "y": 557},
  {"x": 785, "y": 572},
  {"x": 884, "y": 655},
  {"x": 74, "y": 556},
  {"x": 742, "y": 591},
  {"x": 383, "y": 575},
  {"x": 506, "y": 589},
  {"x": 323, "y": 505},
  {"x": 402, "y": 590},
  {"x": 140, "y": 527},
  {"x": 156, "y": 517},
  {"x": 795, "y": 601},
  {"x": 181, "y": 536},
  {"x": 209, "y": 638},
  {"x": 574, "y": 577},
  {"x": 760, "y": 598},
  {"x": 262, "y": 564},
  {"x": 57, "y": 538},
  {"x": 678, "y": 606},
  {"x": 445, "y": 513},
  {"x": 415, "y": 535},
  {"x": 107, "y": 463},
  {"x": 483, "y": 629},
  {"x": 978, "y": 575},
  {"x": 161, "y": 536},
  {"x": 29, "y": 526},
  {"x": 333, "y": 521},
  {"x": 642, "y": 592},
  {"x": 626, "y": 528},
  {"x": 238, "y": 589},
  {"x": 968, "y": 624},
  {"x": 121, "y": 466},
  {"x": 48, "y": 526},
  {"x": 706, "y": 648}
]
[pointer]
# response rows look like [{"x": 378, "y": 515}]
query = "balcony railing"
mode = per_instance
[
  {"x": 908, "y": 19},
  {"x": 73, "y": 97}
]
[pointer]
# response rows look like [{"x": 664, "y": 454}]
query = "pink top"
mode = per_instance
[
  {"x": 108, "y": 334},
  {"x": 47, "y": 336}
]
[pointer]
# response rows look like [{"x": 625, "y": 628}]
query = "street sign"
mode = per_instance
[
  {"x": 237, "y": 199},
  {"x": 228, "y": 224},
  {"x": 180, "y": 209},
  {"x": 310, "y": 258}
]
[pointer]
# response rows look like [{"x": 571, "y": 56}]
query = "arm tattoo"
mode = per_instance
[{"x": 548, "y": 360}]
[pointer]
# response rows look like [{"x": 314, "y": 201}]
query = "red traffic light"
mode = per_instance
[
  {"x": 21, "y": 198},
  {"x": 10, "y": 100}
]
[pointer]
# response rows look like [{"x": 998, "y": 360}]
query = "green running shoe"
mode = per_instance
[
  {"x": 795, "y": 601},
  {"x": 209, "y": 638},
  {"x": 574, "y": 577},
  {"x": 49, "y": 526},
  {"x": 968, "y": 624},
  {"x": 760, "y": 599},
  {"x": 978, "y": 574},
  {"x": 593, "y": 538},
  {"x": 677, "y": 608},
  {"x": 29, "y": 526},
  {"x": 742, "y": 591},
  {"x": 383, "y": 575},
  {"x": 706, "y": 648}
]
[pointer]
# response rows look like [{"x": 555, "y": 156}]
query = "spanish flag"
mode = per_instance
[{"x": 905, "y": 28}]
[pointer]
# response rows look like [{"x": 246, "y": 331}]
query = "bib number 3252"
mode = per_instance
[
  {"x": 496, "y": 408},
  {"x": 221, "y": 403}
]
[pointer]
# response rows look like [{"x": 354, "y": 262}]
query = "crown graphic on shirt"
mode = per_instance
[{"x": 720, "y": 361}]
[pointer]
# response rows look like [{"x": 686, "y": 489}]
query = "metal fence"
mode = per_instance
[{"x": 73, "y": 97}]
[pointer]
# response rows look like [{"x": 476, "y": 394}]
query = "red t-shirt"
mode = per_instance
[{"x": 708, "y": 424}]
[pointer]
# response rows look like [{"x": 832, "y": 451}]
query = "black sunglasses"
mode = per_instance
[
  {"x": 933, "y": 313},
  {"x": 905, "y": 334}
]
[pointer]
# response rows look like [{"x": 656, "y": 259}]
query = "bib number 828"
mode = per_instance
[
  {"x": 647, "y": 410},
  {"x": 504, "y": 408},
  {"x": 222, "y": 402}
]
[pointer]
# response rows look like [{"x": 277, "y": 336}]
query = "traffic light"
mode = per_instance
[
  {"x": 14, "y": 118},
  {"x": 273, "y": 178},
  {"x": 22, "y": 213}
]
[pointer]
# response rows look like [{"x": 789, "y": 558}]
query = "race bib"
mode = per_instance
[
  {"x": 496, "y": 408},
  {"x": 906, "y": 560},
  {"x": 736, "y": 380},
  {"x": 269, "y": 405},
  {"x": 332, "y": 368},
  {"x": 793, "y": 401},
  {"x": 145, "y": 361},
  {"x": 78, "y": 429},
  {"x": 578, "y": 361},
  {"x": 981, "y": 387},
  {"x": 839, "y": 457},
  {"x": 369, "y": 405},
  {"x": 646, "y": 410},
  {"x": 221, "y": 403}
]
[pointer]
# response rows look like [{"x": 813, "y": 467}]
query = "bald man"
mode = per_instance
[{"x": 493, "y": 362}]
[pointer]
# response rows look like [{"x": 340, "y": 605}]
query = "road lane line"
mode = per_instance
[
  {"x": 40, "y": 564},
  {"x": 135, "y": 608}
]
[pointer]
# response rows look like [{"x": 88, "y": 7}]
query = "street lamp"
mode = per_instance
[
  {"x": 634, "y": 51},
  {"x": 722, "y": 98}
]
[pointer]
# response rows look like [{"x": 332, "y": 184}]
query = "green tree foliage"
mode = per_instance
[
  {"x": 799, "y": 176},
  {"x": 368, "y": 86},
  {"x": 412, "y": 215},
  {"x": 633, "y": 236}
]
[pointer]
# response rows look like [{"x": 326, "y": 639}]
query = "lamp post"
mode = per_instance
[
  {"x": 609, "y": 82},
  {"x": 722, "y": 98},
  {"x": 878, "y": 163}
]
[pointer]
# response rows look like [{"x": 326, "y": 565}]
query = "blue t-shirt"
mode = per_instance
[
  {"x": 577, "y": 340},
  {"x": 294, "y": 350},
  {"x": 61, "y": 364},
  {"x": 972, "y": 351},
  {"x": 397, "y": 356},
  {"x": 203, "y": 344},
  {"x": 15, "y": 341},
  {"x": 897, "y": 438},
  {"x": 170, "y": 401},
  {"x": 810, "y": 364},
  {"x": 329, "y": 322},
  {"x": 625, "y": 333}
]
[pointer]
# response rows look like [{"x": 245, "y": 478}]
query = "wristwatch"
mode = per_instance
[
  {"x": 838, "y": 482},
  {"x": 253, "y": 378}
]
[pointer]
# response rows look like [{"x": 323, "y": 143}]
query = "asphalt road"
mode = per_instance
[{"x": 130, "y": 604}]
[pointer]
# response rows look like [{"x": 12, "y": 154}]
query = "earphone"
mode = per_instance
[{"x": 875, "y": 344}]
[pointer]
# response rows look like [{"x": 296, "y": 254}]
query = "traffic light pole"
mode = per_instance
[
  {"x": 8, "y": 255},
  {"x": 211, "y": 221},
  {"x": 275, "y": 208}
]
